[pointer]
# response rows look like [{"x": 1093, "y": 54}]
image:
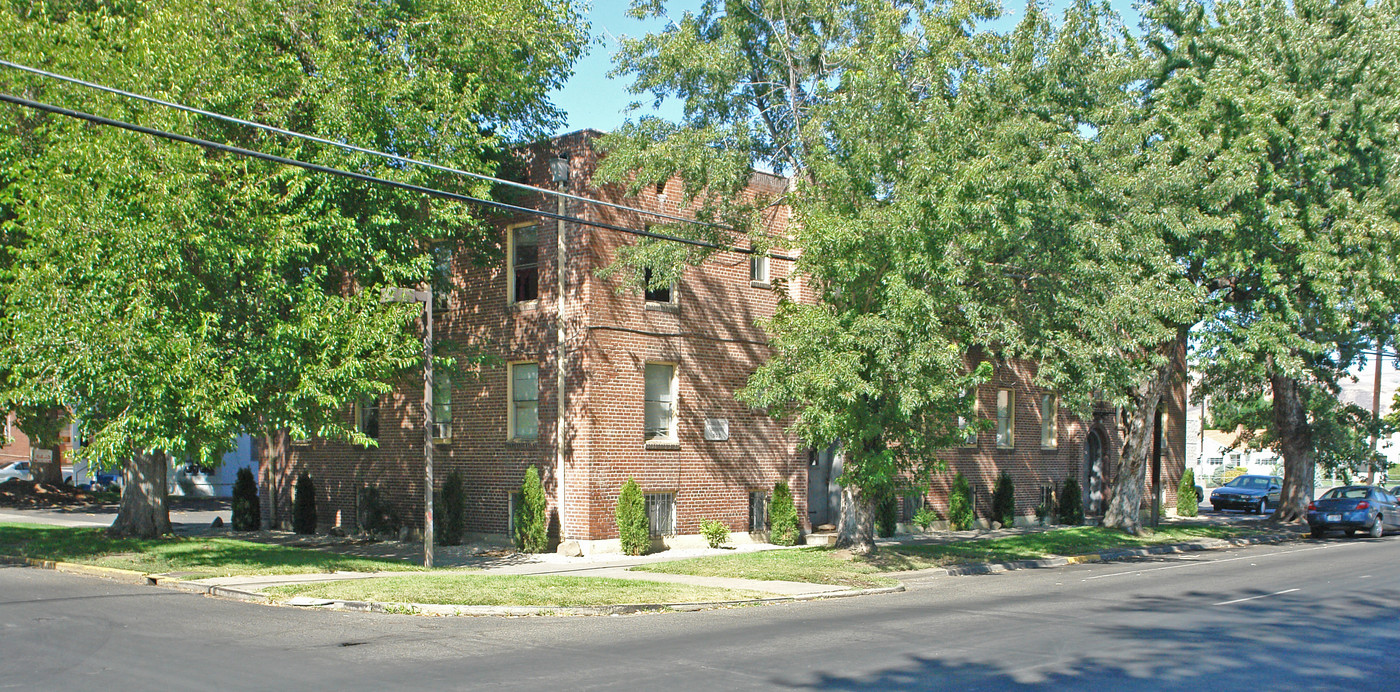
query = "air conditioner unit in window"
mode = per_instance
[{"x": 442, "y": 431}]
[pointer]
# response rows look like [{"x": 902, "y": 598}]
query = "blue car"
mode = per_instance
[
  {"x": 1354, "y": 508},
  {"x": 1248, "y": 492}
]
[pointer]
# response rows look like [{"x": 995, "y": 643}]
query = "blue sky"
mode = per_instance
[{"x": 593, "y": 100}]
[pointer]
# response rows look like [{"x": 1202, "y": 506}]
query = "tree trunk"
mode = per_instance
[
  {"x": 1136, "y": 425},
  {"x": 1296, "y": 445},
  {"x": 50, "y": 471},
  {"x": 856, "y": 531},
  {"x": 272, "y": 461},
  {"x": 143, "y": 512}
]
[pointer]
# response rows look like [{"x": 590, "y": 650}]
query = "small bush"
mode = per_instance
[
  {"x": 1232, "y": 474},
  {"x": 372, "y": 514},
  {"x": 453, "y": 502},
  {"x": 633, "y": 528},
  {"x": 1071, "y": 505},
  {"x": 925, "y": 517},
  {"x": 960, "y": 504},
  {"x": 1186, "y": 501},
  {"x": 886, "y": 514},
  {"x": 304, "y": 505},
  {"x": 247, "y": 508},
  {"x": 1004, "y": 500},
  {"x": 531, "y": 522},
  {"x": 715, "y": 532},
  {"x": 783, "y": 528}
]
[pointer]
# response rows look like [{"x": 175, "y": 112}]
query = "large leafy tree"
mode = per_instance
[
  {"x": 950, "y": 205},
  {"x": 1271, "y": 150},
  {"x": 169, "y": 296}
]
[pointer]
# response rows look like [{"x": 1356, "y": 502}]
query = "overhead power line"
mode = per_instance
[
  {"x": 351, "y": 147},
  {"x": 432, "y": 192}
]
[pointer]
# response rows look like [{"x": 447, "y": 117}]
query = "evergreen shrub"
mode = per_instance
[
  {"x": 1186, "y": 501},
  {"x": 1071, "y": 504},
  {"x": 783, "y": 528},
  {"x": 304, "y": 505},
  {"x": 886, "y": 515},
  {"x": 453, "y": 503},
  {"x": 1004, "y": 500},
  {"x": 247, "y": 507},
  {"x": 531, "y": 522},
  {"x": 960, "y": 504},
  {"x": 633, "y": 528}
]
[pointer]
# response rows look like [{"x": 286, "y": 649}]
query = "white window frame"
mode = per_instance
[
  {"x": 510, "y": 263},
  {"x": 671, "y": 436},
  {"x": 511, "y": 401},
  {"x": 1006, "y": 418},
  {"x": 1049, "y": 421}
]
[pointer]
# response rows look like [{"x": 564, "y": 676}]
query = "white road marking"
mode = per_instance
[
  {"x": 1255, "y": 598},
  {"x": 1211, "y": 562}
]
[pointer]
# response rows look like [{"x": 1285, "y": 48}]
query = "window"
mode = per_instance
[
  {"x": 661, "y": 513},
  {"x": 1216, "y": 461},
  {"x": 442, "y": 275},
  {"x": 758, "y": 269},
  {"x": 758, "y": 510},
  {"x": 513, "y": 501},
  {"x": 367, "y": 417},
  {"x": 656, "y": 295},
  {"x": 660, "y": 401},
  {"x": 524, "y": 263},
  {"x": 1006, "y": 418},
  {"x": 1049, "y": 412},
  {"x": 524, "y": 401},
  {"x": 442, "y": 406},
  {"x": 970, "y": 438}
]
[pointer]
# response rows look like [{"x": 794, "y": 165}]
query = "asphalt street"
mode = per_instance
[{"x": 1305, "y": 615}]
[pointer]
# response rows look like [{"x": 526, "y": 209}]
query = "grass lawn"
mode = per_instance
[
  {"x": 504, "y": 590},
  {"x": 197, "y": 557},
  {"x": 826, "y": 566},
  {"x": 811, "y": 565}
]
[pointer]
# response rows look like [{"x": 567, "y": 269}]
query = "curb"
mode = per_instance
[
  {"x": 1107, "y": 555},
  {"x": 439, "y": 610}
]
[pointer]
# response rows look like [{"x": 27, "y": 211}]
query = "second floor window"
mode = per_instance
[
  {"x": 442, "y": 406},
  {"x": 1006, "y": 418},
  {"x": 524, "y": 263},
  {"x": 657, "y": 295},
  {"x": 367, "y": 417},
  {"x": 1049, "y": 411},
  {"x": 758, "y": 269},
  {"x": 442, "y": 276},
  {"x": 660, "y": 401},
  {"x": 524, "y": 401}
]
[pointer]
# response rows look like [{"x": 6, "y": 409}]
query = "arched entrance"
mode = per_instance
[{"x": 1096, "y": 473}]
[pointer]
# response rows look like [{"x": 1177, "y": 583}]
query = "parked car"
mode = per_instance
[
  {"x": 1250, "y": 493},
  {"x": 1354, "y": 508},
  {"x": 106, "y": 480},
  {"x": 15, "y": 469}
]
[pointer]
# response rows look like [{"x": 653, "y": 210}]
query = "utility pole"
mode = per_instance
[
  {"x": 408, "y": 295},
  {"x": 559, "y": 174},
  {"x": 1375, "y": 414}
]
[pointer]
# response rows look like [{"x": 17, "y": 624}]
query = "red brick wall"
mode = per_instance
[{"x": 711, "y": 334}]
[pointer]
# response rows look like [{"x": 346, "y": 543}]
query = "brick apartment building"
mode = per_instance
[{"x": 647, "y": 388}]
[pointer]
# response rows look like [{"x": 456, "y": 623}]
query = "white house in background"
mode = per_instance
[
  {"x": 191, "y": 480},
  {"x": 1223, "y": 450}
]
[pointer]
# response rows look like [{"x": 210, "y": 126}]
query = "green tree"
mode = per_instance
[
  {"x": 1271, "y": 153},
  {"x": 170, "y": 297},
  {"x": 952, "y": 204}
]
